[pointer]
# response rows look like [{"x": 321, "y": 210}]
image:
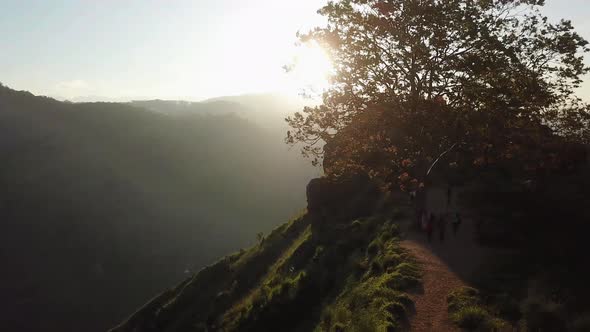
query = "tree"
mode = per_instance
[{"x": 414, "y": 77}]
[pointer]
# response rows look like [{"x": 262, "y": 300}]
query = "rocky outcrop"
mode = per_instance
[{"x": 342, "y": 199}]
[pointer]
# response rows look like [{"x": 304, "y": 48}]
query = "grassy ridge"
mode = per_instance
[{"x": 298, "y": 278}]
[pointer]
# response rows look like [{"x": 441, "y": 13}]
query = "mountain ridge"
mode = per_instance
[{"x": 99, "y": 194}]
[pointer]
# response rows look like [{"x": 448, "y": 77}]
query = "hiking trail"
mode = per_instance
[{"x": 446, "y": 265}]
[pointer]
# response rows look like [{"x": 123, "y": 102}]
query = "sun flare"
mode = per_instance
[{"x": 311, "y": 70}]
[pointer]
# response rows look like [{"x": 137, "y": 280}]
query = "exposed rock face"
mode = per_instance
[{"x": 345, "y": 198}]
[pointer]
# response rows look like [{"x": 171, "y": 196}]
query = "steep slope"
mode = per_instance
[
  {"x": 109, "y": 201},
  {"x": 344, "y": 274}
]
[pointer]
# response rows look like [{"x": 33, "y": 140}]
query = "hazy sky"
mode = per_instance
[{"x": 123, "y": 49}]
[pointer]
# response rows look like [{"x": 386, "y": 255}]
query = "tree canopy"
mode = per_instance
[{"x": 415, "y": 77}]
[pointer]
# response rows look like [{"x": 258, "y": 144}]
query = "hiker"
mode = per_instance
[
  {"x": 430, "y": 227},
  {"x": 419, "y": 213},
  {"x": 442, "y": 225},
  {"x": 418, "y": 206},
  {"x": 456, "y": 223},
  {"x": 449, "y": 195}
]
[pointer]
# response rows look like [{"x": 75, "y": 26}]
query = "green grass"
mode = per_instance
[
  {"x": 349, "y": 276},
  {"x": 468, "y": 312},
  {"x": 471, "y": 318},
  {"x": 352, "y": 282},
  {"x": 374, "y": 300},
  {"x": 277, "y": 235},
  {"x": 272, "y": 285}
]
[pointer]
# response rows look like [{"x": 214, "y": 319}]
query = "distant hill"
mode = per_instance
[
  {"x": 105, "y": 204},
  {"x": 264, "y": 110},
  {"x": 181, "y": 107}
]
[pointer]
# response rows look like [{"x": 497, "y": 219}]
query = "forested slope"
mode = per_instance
[{"x": 103, "y": 204}]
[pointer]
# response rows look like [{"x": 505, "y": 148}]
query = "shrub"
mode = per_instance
[
  {"x": 338, "y": 327},
  {"x": 462, "y": 297},
  {"x": 471, "y": 317},
  {"x": 395, "y": 231},
  {"x": 342, "y": 314},
  {"x": 376, "y": 266},
  {"x": 389, "y": 231},
  {"x": 399, "y": 281},
  {"x": 356, "y": 225},
  {"x": 468, "y": 313},
  {"x": 365, "y": 321},
  {"x": 397, "y": 309},
  {"x": 361, "y": 266},
  {"x": 374, "y": 247},
  {"x": 405, "y": 300},
  {"x": 409, "y": 270},
  {"x": 495, "y": 324},
  {"x": 385, "y": 236},
  {"x": 391, "y": 260}
]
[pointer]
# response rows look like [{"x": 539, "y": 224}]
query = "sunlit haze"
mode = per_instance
[
  {"x": 121, "y": 50},
  {"x": 254, "y": 165},
  {"x": 156, "y": 49}
]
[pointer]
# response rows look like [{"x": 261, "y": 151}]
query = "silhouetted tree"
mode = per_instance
[{"x": 414, "y": 77}]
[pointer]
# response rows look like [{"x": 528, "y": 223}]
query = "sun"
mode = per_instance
[{"x": 311, "y": 70}]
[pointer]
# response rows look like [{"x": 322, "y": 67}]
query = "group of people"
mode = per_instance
[{"x": 430, "y": 222}]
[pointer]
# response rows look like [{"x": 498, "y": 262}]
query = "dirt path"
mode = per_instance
[
  {"x": 446, "y": 265},
  {"x": 430, "y": 302}
]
